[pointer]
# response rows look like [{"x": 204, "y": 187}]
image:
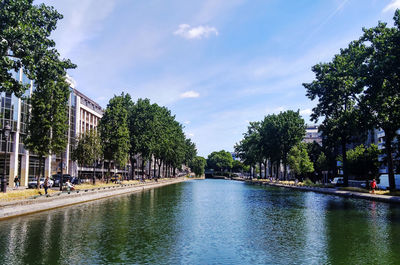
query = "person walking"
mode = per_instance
[
  {"x": 373, "y": 185},
  {"x": 16, "y": 182},
  {"x": 46, "y": 184}
]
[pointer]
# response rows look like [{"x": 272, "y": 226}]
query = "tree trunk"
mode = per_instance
[
  {"x": 174, "y": 172},
  {"x": 285, "y": 169},
  {"x": 260, "y": 165},
  {"x": 155, "y": 169},
  {"x": 62, "y": 169},
  {"x": 265, "y": 168},
  {"x": 150, "y": 168},
  {"x": 159, "y": 168},
  {"x": 133, "y": 168},
  {"x": 40, "y": 172},
  {"x": 109, "y": 171},
  {"x": 143, "y": 169},
  {"x": 389, "y": 158},
  {"x": 344, "y": 156},
  {"x": 94, "y": 173},
  {"x": 278, "y": 169}
]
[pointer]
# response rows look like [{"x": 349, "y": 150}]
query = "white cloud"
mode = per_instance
[
  {"x": 82, "y": 21},
  {"x": 186, "y": 122},
  {"x": 305, "y": 112},
  {"x": 188, "y": 32},
  {"x": 190, "y": 94},
  {"x": 395, "y": 4}
]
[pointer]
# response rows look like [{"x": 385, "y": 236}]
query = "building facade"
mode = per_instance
[
  {"x": 312, "y": 135},
  {"x": 84, "y": 115},
  {"x": 383, "y": 169}
]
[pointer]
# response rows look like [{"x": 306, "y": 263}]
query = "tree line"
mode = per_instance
[
  {"x": 140, "y": 134},
  {"x": 359, "y": 90},
  {"x": 267, "y": 143}
]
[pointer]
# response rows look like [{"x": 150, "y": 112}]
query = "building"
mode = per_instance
[
  {"x": 312, "y": 135},
  {"x": 383, "y": 169},
  {"x": 84, "y": 114}
]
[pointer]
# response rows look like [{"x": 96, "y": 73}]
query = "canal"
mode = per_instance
[{"x": 208, "y": 222}]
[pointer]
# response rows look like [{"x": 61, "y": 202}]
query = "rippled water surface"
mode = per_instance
[{"x": 208, "y": 222}]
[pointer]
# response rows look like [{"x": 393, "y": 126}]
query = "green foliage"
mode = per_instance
[
  {"x": 379, "y": 68},
  {"x": 155, "y": 132},
  {"x": 197, "y": 165},
  {"x": 114, "y": 130},
  {"x": 271, "y": 139},
  {"x": 359, "y": 89},
  {"x": 299, "y": 161},
  {"x": 336, "y": 89},
  {"x": 237, "y": 166},
  {"x": 322, "y": 163},
  {"x": 249, "y": 149},
  {"x": 24, "y": 43},
  {"x": 48, "y": 120},
  {"x": 88, "y": 149},
  {"x": 363, "y": 162},
  {"x": 220, "y": 161}
]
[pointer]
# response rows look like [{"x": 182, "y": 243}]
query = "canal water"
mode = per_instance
[{"x": 208, "y": 222}]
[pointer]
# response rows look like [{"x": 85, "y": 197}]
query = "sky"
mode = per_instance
[{"x": 216, "y": 64}]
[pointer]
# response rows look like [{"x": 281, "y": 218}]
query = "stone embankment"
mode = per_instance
[
  {"x": 333, "y": 191},
  {"x": 28, "y": 206}
]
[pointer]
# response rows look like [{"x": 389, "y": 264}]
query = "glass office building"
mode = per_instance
[{"x": 84, "y": 114}]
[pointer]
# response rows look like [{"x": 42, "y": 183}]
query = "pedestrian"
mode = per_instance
[
  {"x": 16, "y": 182},
  {"x": 46, "y": 184},
  {"x": 69, "y": 185},
  {"x": 373, "y": 185}
]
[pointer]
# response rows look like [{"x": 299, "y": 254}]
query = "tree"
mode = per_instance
[
  {"x": 48, "y": 119},
  {"x": 88, "y": 150},
  {"x": 250, "y": 147},
  {"x": 220, "y": 161},
  {"x": 237, "y": 166},
  {"x": 141, "y": 126},
  {"x": 114, "y": 131},
  {"x": 291, "y": 130},
  {"x": 363, "y": 162},
  {"x": 337, "y": 89},
  {"x": 270, "y": 141},
  {"x": 299, "y": 161},
  {"x": 322, "y": 163},
  {"x": 379, "y": 69},
  {"x": 197, "y": 165},
  {"x": 24, "y": 43}
]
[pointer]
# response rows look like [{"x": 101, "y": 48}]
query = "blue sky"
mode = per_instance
[{"x": 217, "y": 64}]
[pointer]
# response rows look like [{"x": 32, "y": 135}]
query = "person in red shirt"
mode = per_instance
[{"x": 373, "y": 185}]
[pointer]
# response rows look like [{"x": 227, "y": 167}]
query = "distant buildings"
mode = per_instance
[
  {"x": 312, "y": 135},
  {"x": 383, "y": 169}
]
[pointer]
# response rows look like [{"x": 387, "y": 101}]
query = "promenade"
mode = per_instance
[
  {"x": 333, "y": 191},
  {"x": 62, "y": 199}
]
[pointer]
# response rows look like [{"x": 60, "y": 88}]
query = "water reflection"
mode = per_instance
[{"x": 208, "y": 222}]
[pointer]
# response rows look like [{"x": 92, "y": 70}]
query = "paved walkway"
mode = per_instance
[
  {"x": 334, "y": 191},
  {"x": 62, "y": 199}
]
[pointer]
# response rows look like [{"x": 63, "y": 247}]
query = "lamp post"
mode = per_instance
[{"x": 6, "y": 134}]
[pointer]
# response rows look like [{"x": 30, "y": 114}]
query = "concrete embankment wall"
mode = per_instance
[
  {"x": 23, "y": 207},
  {"x": 332, "y": 191}
]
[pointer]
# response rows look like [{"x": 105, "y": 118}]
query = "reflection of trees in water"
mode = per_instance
[
  {"x": 393, "y": 232},
  {"x": 128, "y": 227},
  {"x": 357, "y": 232}
]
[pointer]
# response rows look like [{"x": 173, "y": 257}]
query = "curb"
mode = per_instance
[{"x": 340, "y": 193}]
